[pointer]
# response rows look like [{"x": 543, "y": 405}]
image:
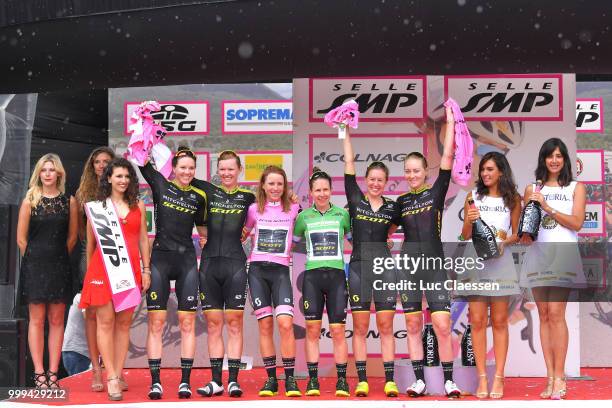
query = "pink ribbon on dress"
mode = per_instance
[
  {"x": 464, "y": 146},
  {"x": 147, "y": 138}
]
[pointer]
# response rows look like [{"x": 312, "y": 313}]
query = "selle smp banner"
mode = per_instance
[
  {"x": 507, "y": 97},
  {"x": 380, "y": 99}
]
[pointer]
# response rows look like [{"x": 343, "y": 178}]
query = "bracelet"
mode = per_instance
[{"x": 146, "y": 273}]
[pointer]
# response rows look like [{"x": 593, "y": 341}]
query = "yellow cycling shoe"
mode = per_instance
[
  {"x": 362, "y": 389},
  {"x": 391, "y": 389}
]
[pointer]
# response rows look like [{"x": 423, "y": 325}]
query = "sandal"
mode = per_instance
[
  {"x": 482, "y": 394},
  {"x": 114, "y": 396},
  {"x": 96, "y": 380},
  {"x": 548, "y": 390},
  {"x": 38, "y": 383},
  {"x": 52, "y": 383},
  {"x": 559, "y": 393},
  {"x": 497, "y": 395},
  {"x": 123, "y": 384}
]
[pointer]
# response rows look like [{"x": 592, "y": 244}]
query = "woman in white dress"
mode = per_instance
[
  {"x": 498, "y": 204},
  {"x": 552, "y": 265}
]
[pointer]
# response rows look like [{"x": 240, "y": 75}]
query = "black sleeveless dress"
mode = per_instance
[{"x": 45, "y": 267}]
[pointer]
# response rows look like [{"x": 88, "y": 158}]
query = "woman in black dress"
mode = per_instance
[{"x": 46, "y": 233}]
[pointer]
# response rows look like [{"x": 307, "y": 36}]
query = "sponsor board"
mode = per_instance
[
  {"x": 150, "y": 218},
  {"x": 152, "y": 230},
  {"x": 507, "y": 97},
  {"x": 257, "y": 117},
  {"x": 372, "y": 337},
  {"x": 590, "y": 166},
  {"x": 255, "y": 161},
  {"x": 177, "y": 117},
  {"x": 594, "y": 220},
  {"x": 380, "y": 99},
  {"x": 325, "y": 152},
  {"x": 594, "y": 271},
  {"x": 589, "y": 115}
]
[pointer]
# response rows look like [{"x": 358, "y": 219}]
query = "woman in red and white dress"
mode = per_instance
[{"x": 119, "y": 183}]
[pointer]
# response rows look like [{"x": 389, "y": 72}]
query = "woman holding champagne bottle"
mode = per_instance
[
  {"x": 496, "y": 204},
  {"x": 552, "y": 265}
]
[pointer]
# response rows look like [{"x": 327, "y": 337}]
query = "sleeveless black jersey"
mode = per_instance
[
  {"x": 227, "y": 211},
  {"x": 177, "y": 209},
  {"x": 421, "y": 216},
  {"x": 369, "y": 228}
]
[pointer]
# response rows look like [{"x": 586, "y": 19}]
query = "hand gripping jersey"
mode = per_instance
[
  {"x": 273, "y": 234},
  {"x": 369, "y": 228},
  {"x": 421, "y": 216},
  {"x": 324, "y": 234},
  {"x": 227, "y": 211},
  {"x": 177, "y": 209}
]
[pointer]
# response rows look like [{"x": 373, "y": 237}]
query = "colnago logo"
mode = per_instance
[
  {"x": 324, "y": 157},
  {"x": 257, "y": 117},
  {"x": 325, "y": 151},
  {"x": 380, "y": 99},
  {"x": 507, "y": 97},
  {"x": 177, "y": 117},
  {"x": 589, "y": 115}
]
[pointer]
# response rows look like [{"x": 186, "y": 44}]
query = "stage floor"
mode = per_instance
[{"x": 518, "y": 392}]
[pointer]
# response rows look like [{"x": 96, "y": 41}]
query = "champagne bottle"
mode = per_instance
[
  {"x": 531, "y": 216},
  {"x": 467, "y": 350},
  {"x": 430, "y": 343},
  {"x": 483, "y": 237}
]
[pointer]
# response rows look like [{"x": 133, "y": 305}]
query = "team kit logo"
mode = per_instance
[
  {"x": 178, "y": 118},
  {"x": 507, "y": 97},
  {"x": 380, "y": 99}
]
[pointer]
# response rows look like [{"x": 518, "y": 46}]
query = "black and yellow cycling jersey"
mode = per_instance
[
  {"x": 177, "y": 209},
  {"x": 227, "y": 211}
]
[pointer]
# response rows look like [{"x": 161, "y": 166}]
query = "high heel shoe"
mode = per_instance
[
  {"x": 96, "y": 380},
  {"x": 483, "y": 394},
  {"x": 548, "y": 390},
  {"x": 114, "y": 396},
  {"x": 559, "y": 393},
  {"x": 123, "y": 383},
  {"x": 497, "y": 395},
  {"x": 50, "y": 382},
  {"x": 38, "y": 383}
]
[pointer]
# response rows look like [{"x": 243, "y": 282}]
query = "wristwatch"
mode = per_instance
[{"x": 553, "y": 212}]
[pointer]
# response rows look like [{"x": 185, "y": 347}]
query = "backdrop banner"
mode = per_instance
[{"x": 510, "y": 114}]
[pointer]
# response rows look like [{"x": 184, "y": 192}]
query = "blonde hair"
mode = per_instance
[{"x": 34, "y": 193}]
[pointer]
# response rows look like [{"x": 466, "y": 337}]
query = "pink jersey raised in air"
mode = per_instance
[{"x": 272, "y": 232}]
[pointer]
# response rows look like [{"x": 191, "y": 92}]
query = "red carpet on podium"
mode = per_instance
[{"x": 526, "y": 389}]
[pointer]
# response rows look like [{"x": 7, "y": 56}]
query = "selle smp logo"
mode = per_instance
[
  {"x": 507, "y": 97},
  {"x": 589, "y": 115},
  {"x": 380, "y": 99},
  {"x": 177, "y": 117}
]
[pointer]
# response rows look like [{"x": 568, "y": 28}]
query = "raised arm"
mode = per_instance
[
  {"x": 446, "y": 162},
  {"x": 349, "y": 155}
]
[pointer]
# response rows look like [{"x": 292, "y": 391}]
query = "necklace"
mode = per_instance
[{"x": 122, "y": 219}]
